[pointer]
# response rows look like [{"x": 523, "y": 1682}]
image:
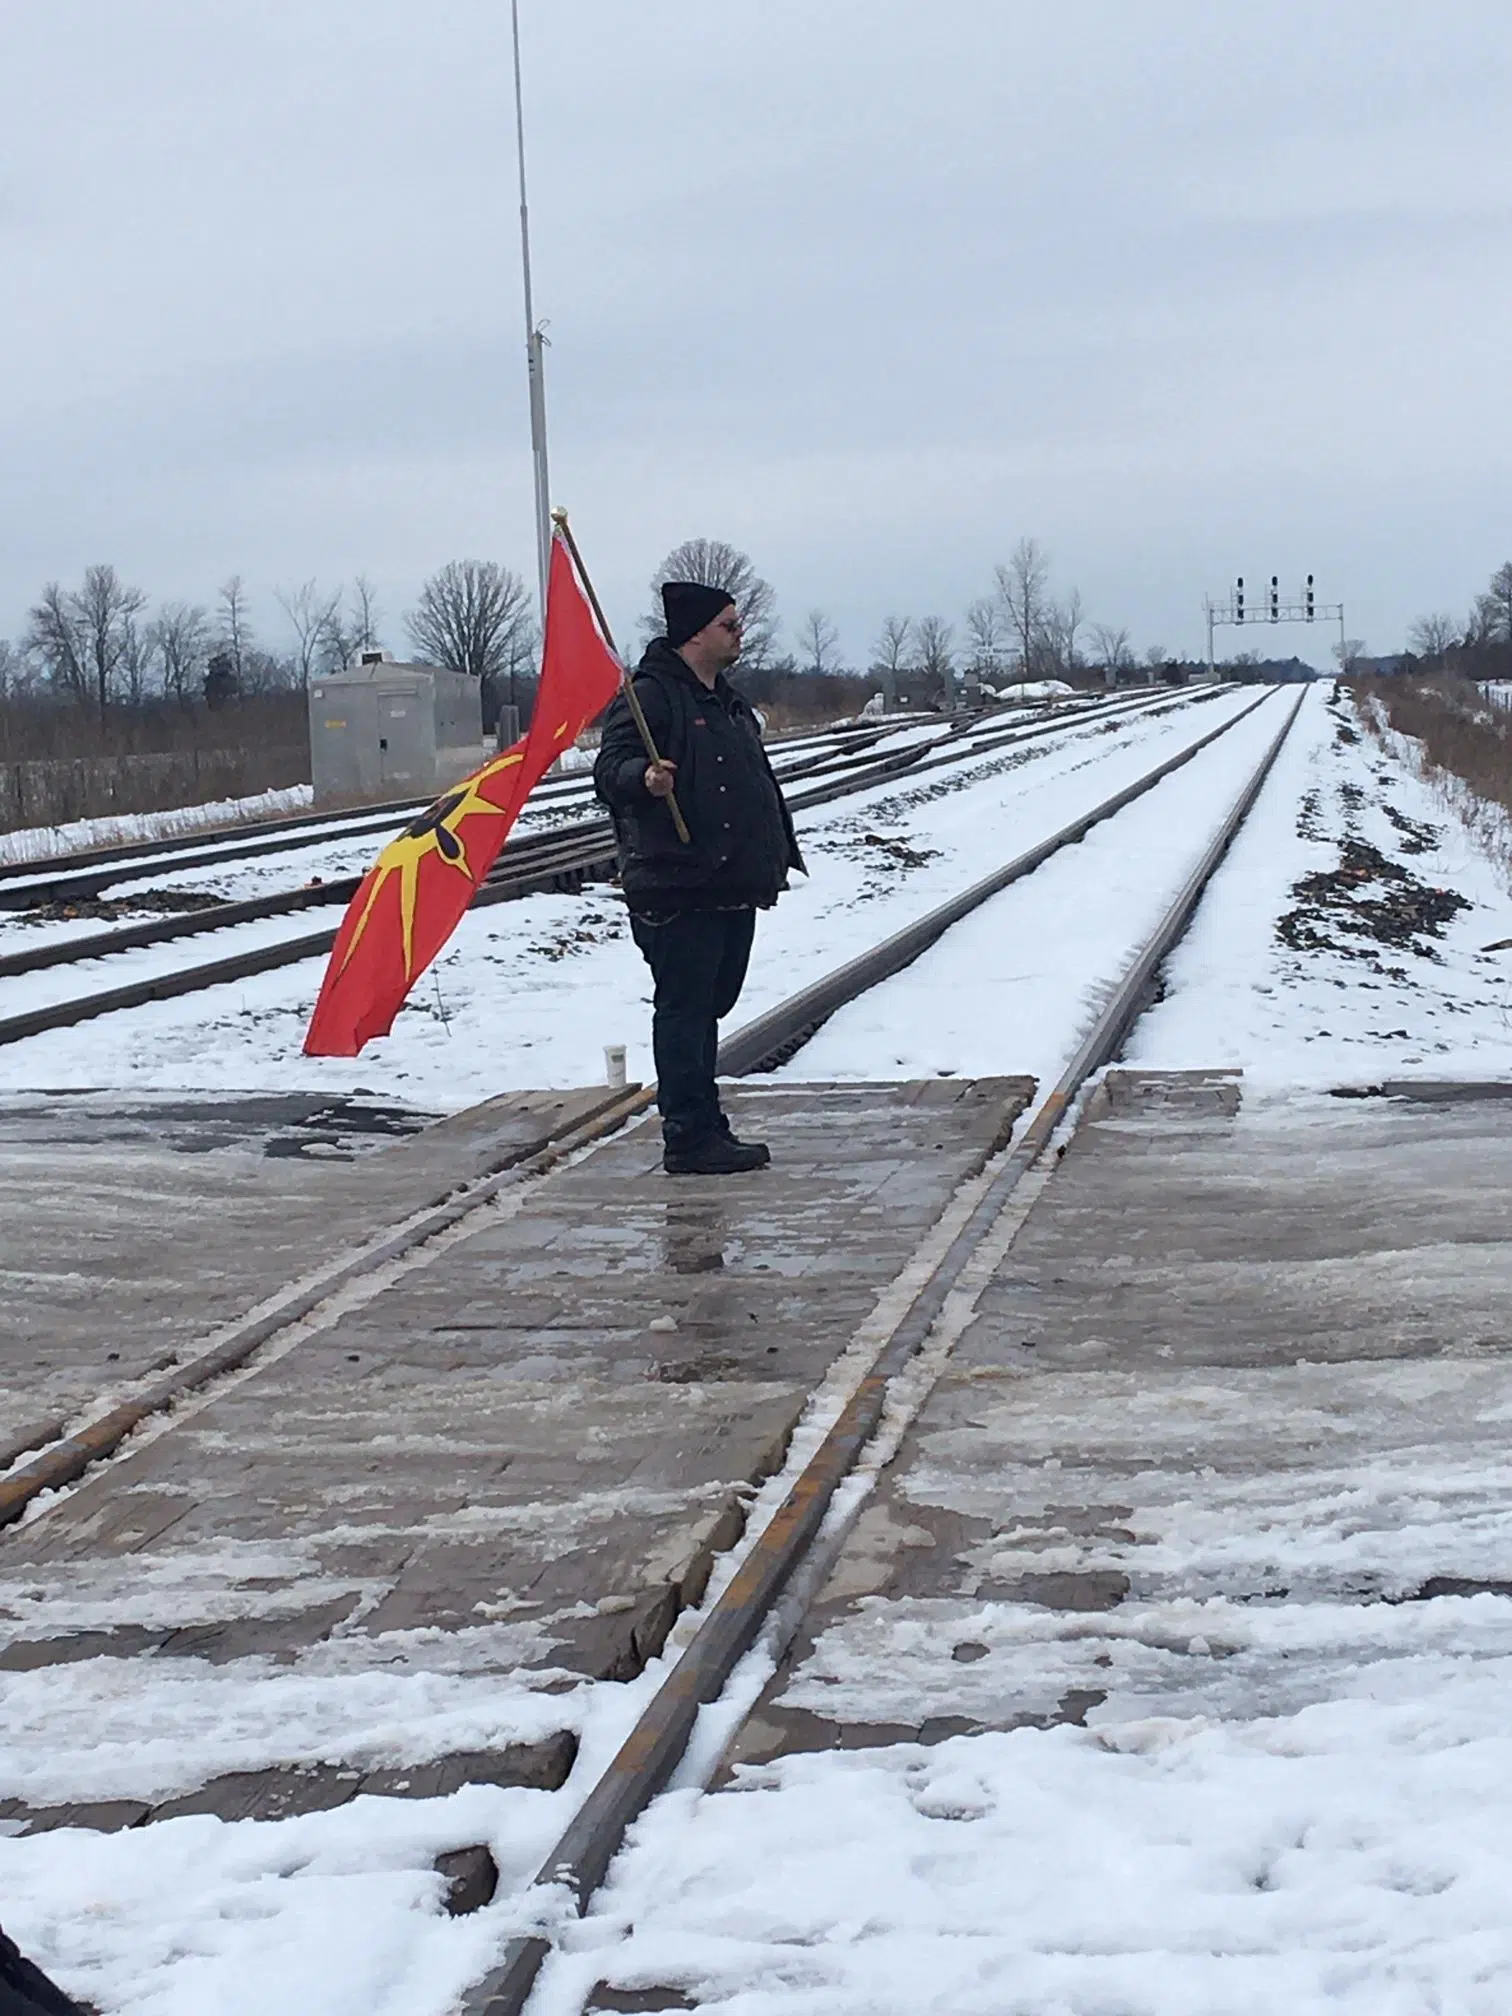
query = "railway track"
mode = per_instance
[
  {"x": 761, "y": 1585},
  {"x": 792, "y": 1549},
  {"x": 560, "y": 859},
  {"x": 88, "y": 872},
  {"x": 61, "y": 1454},
  {"x": 86, "y": 875}
]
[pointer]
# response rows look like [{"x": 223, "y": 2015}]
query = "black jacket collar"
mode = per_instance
[{"x": 662, "y": 659}]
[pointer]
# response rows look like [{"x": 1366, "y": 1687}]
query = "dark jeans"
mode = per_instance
[{"x": 698, "y": 960}]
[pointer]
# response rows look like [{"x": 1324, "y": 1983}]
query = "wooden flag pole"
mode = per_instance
[{"x": 627, "y": 685}]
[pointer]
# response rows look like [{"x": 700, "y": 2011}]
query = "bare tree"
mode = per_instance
[
  {"x": 937, "y": 656},
  {"x": 179, "y": 639},
  {"x": 1433, "y": 637},
  {"x": 819, "y": 642},
  {"x": 721, "y": 565},
  {"x": 234, "y": 632},
  {"x": 1493, "y": 610},
  {"x": 890, "y": 652},
  {"x": 1062, "y": 624},
  {"x": 362, "y": 623},
  {"x": 1022, "y": 589},
  {"x": 105, "y": 612},
  {"x": 474, "y": 617},
  {"x": 135, "y": 662},
  {"x": 311, "y": 614},
  {"x": 1349, "y": 651},
  {"x": 348, "y": 627},
  {"x": 1111, "y": 650},
  {"x": 1155, "y": 656},
  {"x": 987, "y": 634},
  {"x": 53, "y": 641}
]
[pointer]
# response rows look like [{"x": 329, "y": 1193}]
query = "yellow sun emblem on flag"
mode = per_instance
[{"x": 432, "y": 834}]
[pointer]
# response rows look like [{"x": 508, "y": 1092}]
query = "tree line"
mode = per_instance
[
  {"x": 1021, "y": 629},
  {"x": 103, "y": 650},
  {"x": 1476, "y": 646},
  {"x": 102, "y": 647}
]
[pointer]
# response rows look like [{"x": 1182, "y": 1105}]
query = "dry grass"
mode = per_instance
[
  {"x": 63, "y": 763},
  {"x": 1458, "y": 743}
]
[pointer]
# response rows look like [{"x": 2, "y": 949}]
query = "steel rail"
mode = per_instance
[
  {"x": 773, "y": 1037},
  {"x": 341, "y": 888},
  {"x": 84, "y": 876},
  {"x": 66, "y": 1456},
  {"x": 554, "y": 860},
  {"x": 65, "y": 875},
  {"x": 318, "y": 894},
  {"x": 522, "y": 848},
  {"x": 749, "y": 1049},
  {"x": 649, "y": 1754},
  {"x": 63, "y": 1456},
  {"x": 127, "y": 851}
]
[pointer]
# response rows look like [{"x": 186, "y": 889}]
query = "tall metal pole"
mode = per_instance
[{"x": 535, "y": 344}]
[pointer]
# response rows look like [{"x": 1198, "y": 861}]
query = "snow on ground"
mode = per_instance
[
  {"x": 42, "y": 843},
  {"x": 1349, "y": 1860},
  {"x": 1014, "y": 986},
  {"x": 1031, "y": 689},
  {"x": 1345, "y": 1853},
  {"x": 236, "y": 877},
  {"x": 528, "y": 993},
  {"x": 338, "y": 1914},
  {"x": 1341, "y": 1007}
]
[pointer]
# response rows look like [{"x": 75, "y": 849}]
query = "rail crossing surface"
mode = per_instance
[
  {"x": 991, "y": 1415},
  {"x": 1221, "y": 1330},
  {"x": 521, "y": 1455}
]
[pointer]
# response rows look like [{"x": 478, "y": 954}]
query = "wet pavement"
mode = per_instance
[
  {"x": 522, "y": 1454},
  {"x": 131, "y": 1227},
  {"x": 1230, "y": 1426}
]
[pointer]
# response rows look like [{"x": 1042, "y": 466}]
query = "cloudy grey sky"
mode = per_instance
[{"x": 1183, "y": 288}]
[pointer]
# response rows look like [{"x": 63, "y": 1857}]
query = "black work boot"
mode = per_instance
[
  {"x": 716, "y": 1155},
  {"x": 727, "y": 1133}
]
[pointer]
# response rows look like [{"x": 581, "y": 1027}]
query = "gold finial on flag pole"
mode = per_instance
[{"x": 627, "y": 685}]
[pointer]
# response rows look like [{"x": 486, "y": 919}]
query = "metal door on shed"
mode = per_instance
[{"x": 402, "y": 741}]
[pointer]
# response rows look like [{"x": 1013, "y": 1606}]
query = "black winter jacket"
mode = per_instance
[{"x": 743, "y": 843}]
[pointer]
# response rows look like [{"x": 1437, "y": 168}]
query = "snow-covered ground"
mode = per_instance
[
  {"x": 1358, "y": 1008},
  {"x": 1349, "y": 1860},
  {"x": 529, "y": 993},
  {"x": 1349, "y": 1857},
  {"x": 239, "y": 874},
  {"x": 44, "y": 843}
]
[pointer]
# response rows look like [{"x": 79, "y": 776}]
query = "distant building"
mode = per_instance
[{"x": 382, "y": 730}]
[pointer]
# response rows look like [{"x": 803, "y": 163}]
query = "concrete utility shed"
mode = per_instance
[{"x": 385, "y": 730}]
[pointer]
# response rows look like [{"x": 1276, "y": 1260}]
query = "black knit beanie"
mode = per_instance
[{"x": 690, "y": 606}]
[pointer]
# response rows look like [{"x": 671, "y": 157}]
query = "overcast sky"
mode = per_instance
[{"x": 1183, "y": 288}]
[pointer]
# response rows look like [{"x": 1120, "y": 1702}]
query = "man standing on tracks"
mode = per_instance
[{"x": 693, "y": 901}]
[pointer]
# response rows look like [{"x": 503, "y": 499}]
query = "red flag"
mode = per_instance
[{"x": 413, "y": 896}]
